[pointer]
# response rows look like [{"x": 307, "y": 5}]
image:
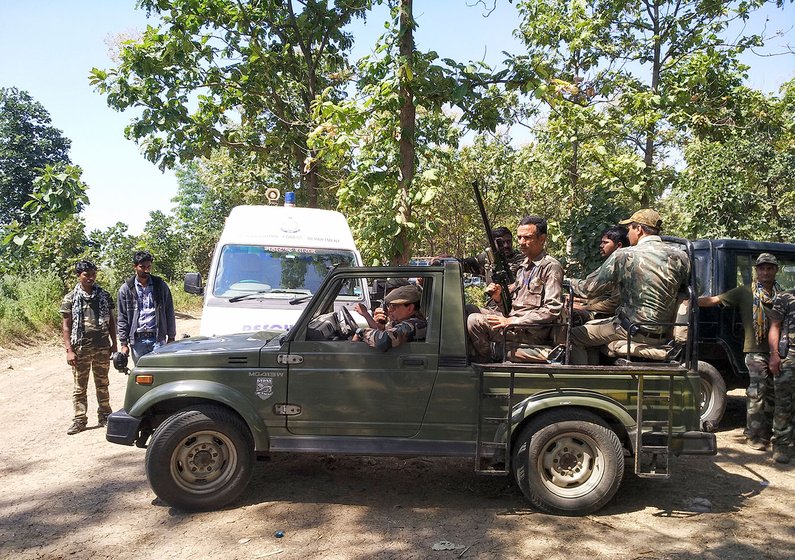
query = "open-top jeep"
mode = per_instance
[{"x": 205, "y": 408}]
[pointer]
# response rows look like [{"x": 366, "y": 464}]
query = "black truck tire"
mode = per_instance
[
  {"x": 200, "y": 459},
  {"x": 568, "y": 462},
  {"x": 713, "y": 396}
]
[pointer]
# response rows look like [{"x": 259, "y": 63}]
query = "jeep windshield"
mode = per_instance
[{"x": 257, "y": 272}]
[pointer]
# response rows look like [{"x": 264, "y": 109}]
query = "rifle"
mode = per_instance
[{"x": 501, "y": 272}]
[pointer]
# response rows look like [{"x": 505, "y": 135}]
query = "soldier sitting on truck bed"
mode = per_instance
[
  {"x": 602, "y": 306},
  {"x": 536, "y": 295},
  {"x": 753, "y": 304},
  {"x": 649, "y": 275},
  {"x": 405, "y": 323}
]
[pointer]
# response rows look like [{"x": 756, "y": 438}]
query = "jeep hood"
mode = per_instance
[{"x": 234, "y": 350}]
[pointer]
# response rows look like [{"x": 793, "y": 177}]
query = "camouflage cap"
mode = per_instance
[
  {"x": 646, "y": 217},
  {"x": 403, "y": 294},
  {"x": 766, "y": 258}
]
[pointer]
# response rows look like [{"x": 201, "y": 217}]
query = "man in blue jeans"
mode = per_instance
[{"x": 145, "y": 310}]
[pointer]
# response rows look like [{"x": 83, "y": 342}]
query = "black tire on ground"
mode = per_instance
[
  {"x": 200, "y": 459},
  {"x": 568, "y": 462},
  {"x": 712, "y": 402}
]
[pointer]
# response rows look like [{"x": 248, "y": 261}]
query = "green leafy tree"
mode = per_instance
[
  {"x": 52, "y": 235},
  {"x": 658, "y": 70},
  {"x": 395, "y": 138},
  {"x": 166, "y": 245},
  {"x": 741, "y": 182},
  {"x": 112, "y": 251},
  {"x": 28, "y": 142},
  {"x": 237, "y": 75}
]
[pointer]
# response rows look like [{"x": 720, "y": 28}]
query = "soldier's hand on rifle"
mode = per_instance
[{"x": 495, "y": 292}]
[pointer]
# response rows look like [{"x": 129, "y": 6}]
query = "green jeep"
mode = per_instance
[{"x": 206, "y": 408}]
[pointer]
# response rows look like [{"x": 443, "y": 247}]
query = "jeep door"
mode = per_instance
[{"x": 346, "y": 388}]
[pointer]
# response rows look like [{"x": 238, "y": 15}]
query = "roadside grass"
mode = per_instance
[{"x": 29, "y": 307}]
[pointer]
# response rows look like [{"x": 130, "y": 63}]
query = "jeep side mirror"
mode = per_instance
[{"x": 193, "y": 283}]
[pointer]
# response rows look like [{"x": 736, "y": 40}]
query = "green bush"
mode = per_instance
[
  {"x": 185, "y": 302},
  {"x": 29, "y": 307}
]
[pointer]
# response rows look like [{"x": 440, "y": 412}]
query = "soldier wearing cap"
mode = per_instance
[
  {"x": 754, "y": 303},
  {"x": 405, "y": 323},
  {"x": 648, "y": 274}
]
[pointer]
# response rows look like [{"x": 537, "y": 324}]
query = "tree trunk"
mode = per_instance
[
  {"x": 407, "y": 128},
  {"x": 648, "y": 155}
]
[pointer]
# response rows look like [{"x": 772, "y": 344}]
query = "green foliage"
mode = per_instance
[
  {"x": 653, "y": 72},
  {"x": 240, "y": 75},
  {"x": 112, "y": 251},
  {"x": 162, "y": 240},
  {"x": 51, "y": 246},
  {"x": 28, "y": 142},
  {"x": 58, "y": 190},
  {"x": 29, "y": 307},
  {"x": 739, "y": 183}
]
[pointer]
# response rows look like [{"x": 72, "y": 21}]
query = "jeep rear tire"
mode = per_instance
[
  {"x": 200, "y": 459},
  {"x": 712, "y": 401},
  {"x": 568, "y": 462}
]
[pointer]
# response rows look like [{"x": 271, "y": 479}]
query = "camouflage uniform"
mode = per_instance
[
  {"x": 92, "y": 353},
  {"x": 784, "y": 311},
  {"x": 760, "y": 394},
  {"x": 600, "y": 306},
  {"x": 536, "y": 300},
  {"x": 648, "y": 276},
  {"x": 395, "y": 334}
]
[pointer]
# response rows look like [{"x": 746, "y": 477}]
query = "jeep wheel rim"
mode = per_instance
[
  {"x": 203, "y": 462},
  {"x": 571, "y": 465},
  {"x": 706, "y": 397}
]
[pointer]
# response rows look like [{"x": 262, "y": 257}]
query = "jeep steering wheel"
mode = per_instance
[{"x": 347, "y": 323}]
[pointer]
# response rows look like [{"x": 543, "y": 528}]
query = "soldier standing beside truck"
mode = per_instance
[
  {"x": 781, "y": 339},
  {"x": 753, "y": 305},
  {"x": 89, "y": 335}
]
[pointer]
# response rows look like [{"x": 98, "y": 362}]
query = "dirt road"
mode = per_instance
[{"x": 81, "y": 497}]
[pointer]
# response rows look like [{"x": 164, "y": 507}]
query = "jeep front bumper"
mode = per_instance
[{"x": 122, "y": 428}]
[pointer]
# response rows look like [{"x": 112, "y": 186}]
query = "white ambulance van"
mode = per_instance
[{"x": 267, "y": 264}]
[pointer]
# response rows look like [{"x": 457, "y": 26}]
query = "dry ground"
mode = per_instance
[{"x": 81, "y": 497}]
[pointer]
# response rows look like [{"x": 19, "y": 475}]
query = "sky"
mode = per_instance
[{"x": 48, "y": 47}]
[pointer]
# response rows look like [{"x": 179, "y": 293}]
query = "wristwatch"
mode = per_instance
[{"x": 359, "y": 332}]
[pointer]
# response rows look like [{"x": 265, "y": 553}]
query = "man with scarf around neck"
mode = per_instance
[
  {"x": 753, "y": 303},
  {"x": 89, "y": 334}
]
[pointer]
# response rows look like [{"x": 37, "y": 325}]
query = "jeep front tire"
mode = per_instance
[{"x": 200, "y": 459}]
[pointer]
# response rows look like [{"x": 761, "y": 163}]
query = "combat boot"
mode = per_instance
[
  {"x": 756, "y": 443},
  {"x": 76, "y": 428},
  {"x": 781, "y": 454},
  {"x": 102, "y": 420}
]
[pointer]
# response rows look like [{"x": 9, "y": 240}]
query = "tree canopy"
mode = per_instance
[{"x": 28, "y": 142}]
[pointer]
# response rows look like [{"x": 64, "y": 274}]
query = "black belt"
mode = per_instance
[
  {"x": 145, "y": 334},
  {"x": 637, "y": 329}
]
